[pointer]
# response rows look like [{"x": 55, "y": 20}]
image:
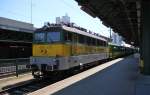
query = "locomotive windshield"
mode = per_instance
[
  {"x": 53, "y": 37},
  {"x": 48, "y": 37},
  {"x": 39, "y": 37}
]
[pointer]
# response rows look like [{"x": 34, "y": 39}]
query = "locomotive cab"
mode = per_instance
[{"x": 46, "y": 49}]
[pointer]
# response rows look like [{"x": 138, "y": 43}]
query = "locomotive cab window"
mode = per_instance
[
  {"x": 53, "y": 37},
  {"x": 39, "y": 37},
  {"x": 68, "y": 36}
]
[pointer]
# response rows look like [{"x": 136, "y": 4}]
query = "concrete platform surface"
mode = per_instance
[
  {"x": 119, "y": 79},
  {"x": 10, "y": 81},
  {"x": 64, "y": 84},
  {"x": 143, "y": 85}
]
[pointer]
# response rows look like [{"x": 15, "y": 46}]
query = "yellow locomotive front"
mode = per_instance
[
  {"x": 49, "y": 44},
  {"x": 47, "y": 48}
]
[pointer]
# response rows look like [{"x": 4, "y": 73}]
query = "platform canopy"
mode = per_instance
[{"x": 123, "y": 16}]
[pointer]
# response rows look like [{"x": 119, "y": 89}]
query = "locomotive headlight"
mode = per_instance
[
  {"x": 81, "y": 64},
  {"x": 54, "y": 59}
]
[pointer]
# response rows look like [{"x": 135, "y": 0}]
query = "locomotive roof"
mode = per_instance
[
  {"x": 71, "y": 29},
  {"x": 75, "y": 30}
]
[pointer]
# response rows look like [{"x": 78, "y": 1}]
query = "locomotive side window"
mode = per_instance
[
  {"x": 39, "y": 37},
  {"x": 81, "y": 39},
  {"x": 67, "y": 36},
  {"x": 100, "y": 43},
  {"x": 96, "y": 42},
  {"x": 103, "y": 43},
  {"x": 53, "y": 37},
  {"x": 88, "y": 41},
  {"x": 93, "y": 41}
]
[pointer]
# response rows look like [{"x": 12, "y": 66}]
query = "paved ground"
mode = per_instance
[
  {"x": 143, "y": 85},
  {"x": 53, "y": 88},
  {"x": 119, "y": 79},
  {"x": 10, "y": 81}
]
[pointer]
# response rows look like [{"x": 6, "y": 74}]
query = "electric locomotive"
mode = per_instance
[{"x": 60, "y": 47}]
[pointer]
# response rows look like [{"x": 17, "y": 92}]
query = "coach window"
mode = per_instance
[{"x": 115, "y": 48}]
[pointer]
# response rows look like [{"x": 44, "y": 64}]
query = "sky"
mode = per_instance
[{"x": 47, "y": 11}]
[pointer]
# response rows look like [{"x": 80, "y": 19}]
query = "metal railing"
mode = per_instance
[{"x": 14, "y": 66}]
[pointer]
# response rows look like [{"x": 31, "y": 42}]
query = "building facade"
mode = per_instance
[{"x": 15, "y": 39}]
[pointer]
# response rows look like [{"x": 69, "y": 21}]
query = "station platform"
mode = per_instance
[
  {"x": 13, "y": 80},
  {"x": 118, "y": 79},
  {"x": 121, "y": 77}
]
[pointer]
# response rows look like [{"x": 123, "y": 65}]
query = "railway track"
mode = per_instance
[{"x": 27, "y": 87}]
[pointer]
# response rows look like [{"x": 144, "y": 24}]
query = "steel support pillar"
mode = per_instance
[{"x": 145, "y": 37}]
